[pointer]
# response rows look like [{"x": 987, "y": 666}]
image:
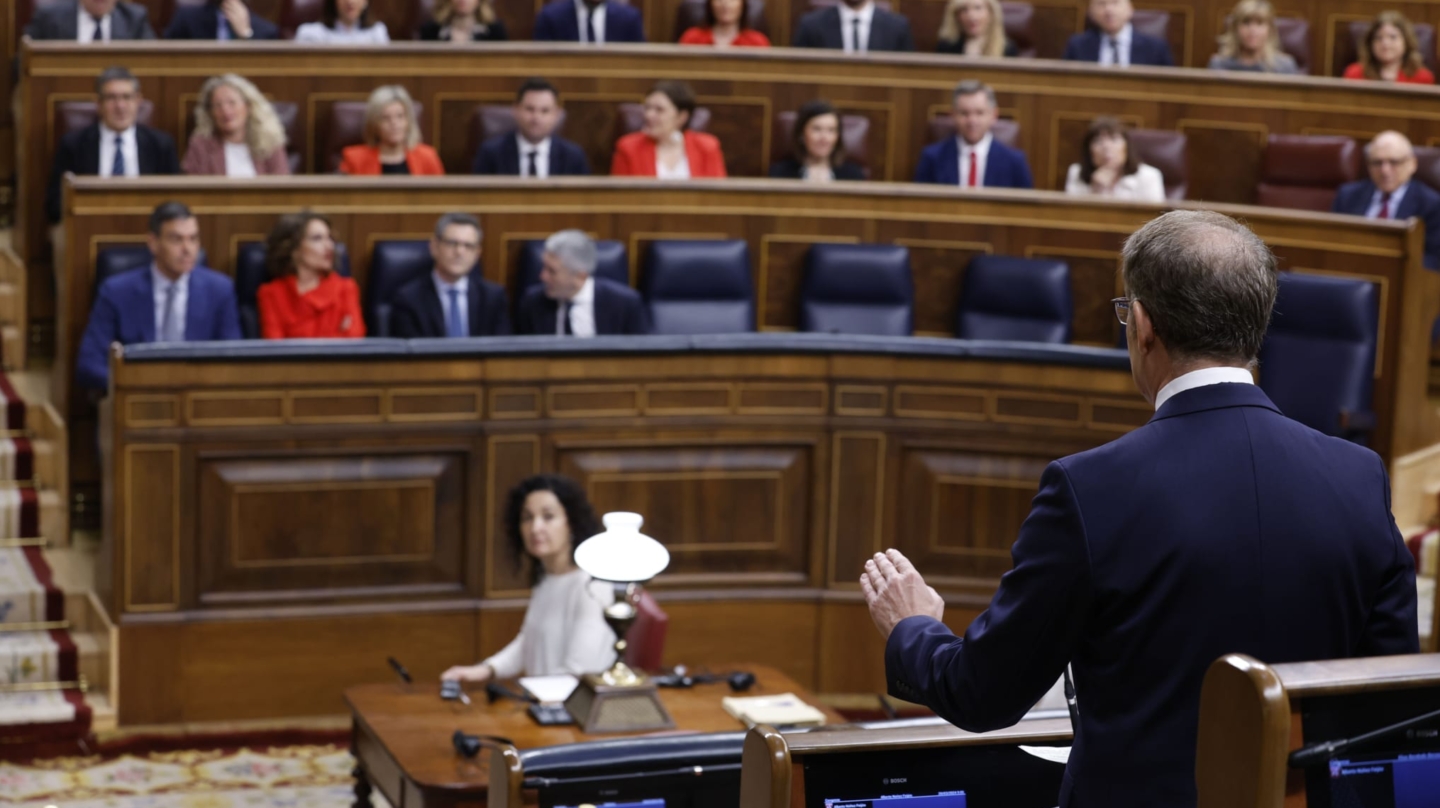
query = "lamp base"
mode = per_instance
[{"x": 599, "y": 707}]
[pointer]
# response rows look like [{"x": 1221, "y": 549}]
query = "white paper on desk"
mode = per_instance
[
  {"x": 550, "y": 689},
  {"x": 1054, "y": 754}
]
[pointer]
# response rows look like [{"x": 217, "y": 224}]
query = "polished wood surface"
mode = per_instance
[
  {"x": 403, "y": 732},
  {"x": 1226, "y": 117}
]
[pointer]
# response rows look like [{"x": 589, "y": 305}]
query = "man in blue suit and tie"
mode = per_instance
[
  {"x": 1392, "y": 192},
  {"x": 1221, "y": 526},
  {"x": 533, "y": 149},
  {"x": 571, "y": 301},
  {"x": 1114, "y": 41},
  {"x": 974, "y": 158},
  {"x": 220, "y": 20},
  {"x": 170, "y": 300},
  {"x": 594, "y": 21}
]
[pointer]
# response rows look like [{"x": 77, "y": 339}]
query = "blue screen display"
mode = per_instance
[
  {"x": 655, "y": 803},
  {"x": 1399, "y": 780},
  {"x": 945, "y": 799}
]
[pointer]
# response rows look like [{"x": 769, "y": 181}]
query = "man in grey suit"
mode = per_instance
[{"x": 91, "y": 21}]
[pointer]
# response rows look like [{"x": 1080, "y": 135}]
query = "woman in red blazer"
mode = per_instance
[
  {"x": 307, "y": 299},
  {"x": 392, "y": 139},
  {"x": 663, "y": 147},
  {"x": 727, "y": 23},
  {"x": 1390, "y": 52}
]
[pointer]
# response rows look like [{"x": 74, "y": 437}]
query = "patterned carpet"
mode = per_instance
[{"x": 282, "y": 777}]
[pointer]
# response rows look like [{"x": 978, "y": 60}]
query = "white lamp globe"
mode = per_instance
[{"x": 622, "y": 553}]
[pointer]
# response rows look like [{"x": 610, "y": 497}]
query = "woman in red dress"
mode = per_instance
[
  {"x": 307, "y": 298},
  {"x": 727, "y": 23}
]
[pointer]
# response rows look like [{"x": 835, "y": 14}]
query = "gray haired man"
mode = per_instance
[{"x": 571, "y": 301}]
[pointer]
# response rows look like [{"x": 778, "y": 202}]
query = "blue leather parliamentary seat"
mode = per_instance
[
  {"x": 251, "y": 272},
  {"x": 1016, "y": 299},
  {"x": 392, "y": 265},
  {"x": 1318, "y": 360},
  {"x": 699, "y": 287},
  {"x": 858, "y": 289},
  {"x": 111, "y": 261}
]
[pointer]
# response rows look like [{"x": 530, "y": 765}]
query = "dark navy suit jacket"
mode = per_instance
[
  {"x": 201, "y": 22},
  {"x": 79, "y": 154},
  {"x": 124, "y": 312},
  {"x": 556, "y": 23},
  {"x": 1420, "y": 200},
  {"x": 501, "y": 155},
  {"x": 1004, "y": 167},
  {"x": 416, "y": 310},
  {"x": 1219, "y": 527},
  {"x": 618, "y": 310},
  {"x": 1144, "y": 49}
]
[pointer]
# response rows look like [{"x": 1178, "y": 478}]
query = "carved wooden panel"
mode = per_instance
[
  {"x": 857, "y": 490},
  {"x": 330, "y": 525},
  {"x": 509, "y": 459},
  {"x": 152, "y": 528}
]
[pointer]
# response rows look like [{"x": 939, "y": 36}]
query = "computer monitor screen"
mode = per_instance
[
  {"x": 717, "y": 787},
  {"x": 994, "y": 776},
  {"x": 1399, "y": 771}
]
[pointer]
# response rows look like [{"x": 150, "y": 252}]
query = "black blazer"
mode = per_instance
[
  {"x": 791, "y": 169},
  {"x": 79, "y": 154},
  {"x": 501, "y": 155},
  {"x": 618, "y": 310},
  {"x": 958, "y": 47},
  {"x": 57, "y": 21},
  {"x": 1144, "y": 49},
  {"x": 200, "y": 22},
  {"x": 1420, "y": 201},
  {"x": 494, "y": 32},
  {"x": 821, "y": 29},
  {"x": 417, "y": 310}
]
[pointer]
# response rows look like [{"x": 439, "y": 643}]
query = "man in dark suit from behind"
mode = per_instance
[
  {"x": 974, "y": 158},
  {"x": 571, "y": 301},
  {"x": 855, "y": 26},
  {"x": 533, "y": 149},
  {"x": 593, "y": 21},
  {"x": 171, "y": 299},
  {"x": 114, "y": 145},
  {"x": 452, "y": 300},
  {"x": 90, "y": 20},
  {"x": 1114, "y": 40},
  {"x": 220, "y": 20},
  {"x": 1219, "y": 527},
  {"x": 1392, "y": 192}
]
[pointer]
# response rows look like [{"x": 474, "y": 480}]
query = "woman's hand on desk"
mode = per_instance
[{"x": 469, "y": 673}]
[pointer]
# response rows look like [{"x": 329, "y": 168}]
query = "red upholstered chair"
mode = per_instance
[
  {"x": 631, "y": 118},
  {"x": 73, "y": 115},
  {"x": 854, "y": 137},
  {"x": 645, "y": 643},
  {"x": 1167, "y": 151},
  {"x": 1427, "y": 165},
  {"x": 1020, "y": 27},
  {"x": 294, "y": 13},
  {"x": 1294, "y": 35},
  {"x": 692, "y": 13},
  {"x": 1150, "y": 22},
  {"x": 347, "y": 128},
  {"x": 1347, "y": 48},
  {"x": 1304, "y": 171},
  {"x": 490, "y": 120},
  {"x": 1005, "y": 130}
]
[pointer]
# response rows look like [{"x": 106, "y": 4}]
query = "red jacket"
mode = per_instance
[
  {"x": 635, "y": 156},
  {"x": 1420, "y": 76},
  {"x": 747, "y": 38},
  {"x": 331, "y": 309},
  {"x": 362, "y": 160}
]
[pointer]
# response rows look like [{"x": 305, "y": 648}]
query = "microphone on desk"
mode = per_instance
[{"x": 400, "y": 670}]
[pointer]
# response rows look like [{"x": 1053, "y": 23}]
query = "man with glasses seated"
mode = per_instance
[
  {"x": 1390, "y": 192},
  {"x": 451, "y": 301}
]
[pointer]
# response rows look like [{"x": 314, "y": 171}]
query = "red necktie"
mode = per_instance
[
  {"x": 1384, "y": 205},
  {"x": 974, "y": 180}
]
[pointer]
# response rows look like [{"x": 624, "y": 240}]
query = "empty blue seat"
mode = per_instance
[
  {"x": 858, "y": 289},
  {"x": 1021, "y": 299},
  {"x": 699, "y": 287},
  {"x": 392, "y": 265},
  {"x": 612, "y": 262},
  {"x": 111, "y": 261},
  {"x": 1318, "y": 360},
  {"x": 251, "y": 272}
]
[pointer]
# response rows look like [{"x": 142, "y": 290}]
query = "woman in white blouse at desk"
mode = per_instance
[
  {"x": 1109, "y": 167},
  {"x": 344, "y": 22},
  {"x": 546, "y": 518}
]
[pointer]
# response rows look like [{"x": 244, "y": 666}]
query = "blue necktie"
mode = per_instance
[
  {"x": 454, "y": 327},
  {"x": 117, "y": 168},
  {"x": 222, "y": 27}
]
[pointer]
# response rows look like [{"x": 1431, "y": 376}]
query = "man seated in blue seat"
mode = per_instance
[
  {"x": 171, "y": 300},
  {"x": 533, "y": 149},
  {"x": 571, "y": 301},
  {"x": 452, "y": 300},
  {"x": 1392, "y": 191},
  {"x": 594, "y": 21},
  {"x": 1114, "y": 41},
  {"x": 974, "y": 158},
  {"x": 1219, "y": 527}
]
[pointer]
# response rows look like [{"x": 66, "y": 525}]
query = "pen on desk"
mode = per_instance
[{"x": 400, "y": 669}]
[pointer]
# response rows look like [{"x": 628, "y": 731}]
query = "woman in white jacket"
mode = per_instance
[{"x": 1108, "y": 167}]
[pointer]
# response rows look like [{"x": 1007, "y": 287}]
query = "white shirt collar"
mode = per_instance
[
  {"x": 982, "y": 147},
  {"x": 581, "y": 12},
  {"x": 866, "y": 13},
  {"x": 462, "y": 285},
  {"x": 586, "y": 295},
  {"x": 1395, "y": 197},
  {"x": 109, "y": 134},
  {"x": 1202, "y": 378},
  {"x": 159, "y": 281},
  {"x": 88, "y": 22}
]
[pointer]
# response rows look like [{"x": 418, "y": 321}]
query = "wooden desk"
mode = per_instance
[{"x": 402, "y": 734}]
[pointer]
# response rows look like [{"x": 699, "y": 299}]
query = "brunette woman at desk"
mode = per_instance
[
  {"x": 306, "y": 299},
  {"x": 546, "y": 517}
]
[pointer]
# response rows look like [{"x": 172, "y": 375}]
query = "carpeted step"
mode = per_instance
[
  {"x": 17, "y": 460},
  {"x": 29, "y": 600},
  {"x": 30, "y": 658},
  {"x": 12, "y": 406},
  {"x": 43, "y": 715}
]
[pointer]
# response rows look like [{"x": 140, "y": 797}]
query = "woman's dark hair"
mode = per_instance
[
  {"x": 680, "y": 95},
  {"x": 744, "y": 14},
  {"x": 330, "y": 14},
  {"x": 1106, "y": 125},
  {"x": 286, "y": 237},
  {"x": 808, "y": 113},
  {"x": 582, "y": 519}
]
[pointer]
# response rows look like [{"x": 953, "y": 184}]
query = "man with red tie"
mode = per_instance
[
  {"x": 974, "y": 158},
  {"x": 1390, "y": 192}
]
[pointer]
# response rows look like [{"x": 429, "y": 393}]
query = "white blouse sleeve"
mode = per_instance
[
  {"x": 509, "y": 662},
  {"x": 1149, "y": 184},
  {"x": 380, "y": 34},
  {"x": 591, "y": 648},
  {"x": 311, "y": 32},
  {"x": 1073, "y": 183}
]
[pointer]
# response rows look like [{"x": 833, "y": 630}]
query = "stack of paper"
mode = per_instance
[{"x": 785, "y": 709}]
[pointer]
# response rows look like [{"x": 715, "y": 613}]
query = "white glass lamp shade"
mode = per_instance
[{"x": 622, "y": 553}]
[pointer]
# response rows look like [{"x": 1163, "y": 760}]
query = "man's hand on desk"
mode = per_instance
[
  {"x": 469, "y": 673},
  {"x": 894, "y": 591}
]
